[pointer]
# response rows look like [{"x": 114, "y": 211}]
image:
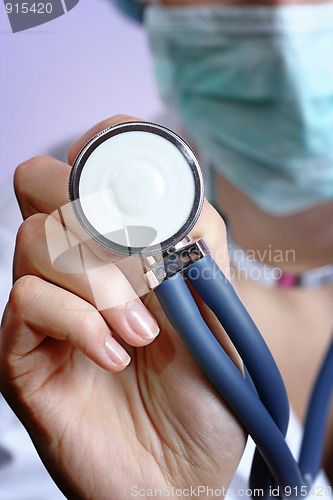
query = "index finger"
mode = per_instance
[{"x": 41, "y": 185}]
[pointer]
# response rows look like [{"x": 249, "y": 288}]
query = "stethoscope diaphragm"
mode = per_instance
[{"x": 136, "y": 188}]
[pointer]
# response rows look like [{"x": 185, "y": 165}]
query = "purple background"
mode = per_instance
[{"x": 59, "y": 79}]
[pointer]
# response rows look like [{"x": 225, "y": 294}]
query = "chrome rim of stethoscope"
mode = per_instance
[{"x": 194, "y": 200}]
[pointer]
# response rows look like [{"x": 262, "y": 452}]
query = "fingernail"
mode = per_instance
[
  {"x": 141, "y": 321},
  {"x": 115, "y": 352}
]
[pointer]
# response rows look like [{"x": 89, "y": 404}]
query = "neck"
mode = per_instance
[{"x": 300, "y": 241}]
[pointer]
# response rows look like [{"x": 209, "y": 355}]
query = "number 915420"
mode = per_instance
[{"x": 25, "y": 8}]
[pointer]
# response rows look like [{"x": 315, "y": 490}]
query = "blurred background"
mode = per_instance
[{"x": 59, "y": 79}]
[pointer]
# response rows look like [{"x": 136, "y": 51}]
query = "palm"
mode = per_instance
[{"x": 156, "y": 424}]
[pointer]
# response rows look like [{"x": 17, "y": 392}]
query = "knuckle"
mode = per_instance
[
  {"x": 89, "y": 320},
  {"x": 24, "y": 170},
  {"x": 13, "y": 327},
  {"x": 22, "y": 292},
  {"x": 27, "y": 235},
  {"x": 91, "y": 326}
]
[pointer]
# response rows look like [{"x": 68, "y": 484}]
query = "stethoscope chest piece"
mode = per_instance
[{"x": 136, "y": 188}]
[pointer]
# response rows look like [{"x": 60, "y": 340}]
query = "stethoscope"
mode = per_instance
[{"x": 137, "y": 189}]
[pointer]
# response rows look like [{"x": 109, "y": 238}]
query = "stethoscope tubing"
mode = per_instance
[
  {"x": 317, "y": 417},
  {"x": 184, "y": 315},
  {"x": 261, "y": 404},
  {"x": 218, "y": 293}
]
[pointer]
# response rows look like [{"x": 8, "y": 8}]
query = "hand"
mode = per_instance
[{"x": 101, "y": 434}]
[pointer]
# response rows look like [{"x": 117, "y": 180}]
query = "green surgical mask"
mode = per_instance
[{"x": 254, "y": 88}]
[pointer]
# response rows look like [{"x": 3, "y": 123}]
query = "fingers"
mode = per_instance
[
  {"x": 78, "y": 145},
  {"x": 32, "y": 314},
  {"x": 100, "y": 283},
  {"x": 41, "y": 185}
]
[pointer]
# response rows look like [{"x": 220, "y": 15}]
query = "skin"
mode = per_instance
[{"x": 98, "y": 427}]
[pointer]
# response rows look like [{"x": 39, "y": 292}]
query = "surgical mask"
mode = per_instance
[{"x": 254, "y": 87}]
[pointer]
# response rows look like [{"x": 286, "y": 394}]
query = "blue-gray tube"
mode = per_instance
[
  {"x": 218, "y": 293},
  {"x": 185, "y": 317},
  {"x": 316, "y": 419}
]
